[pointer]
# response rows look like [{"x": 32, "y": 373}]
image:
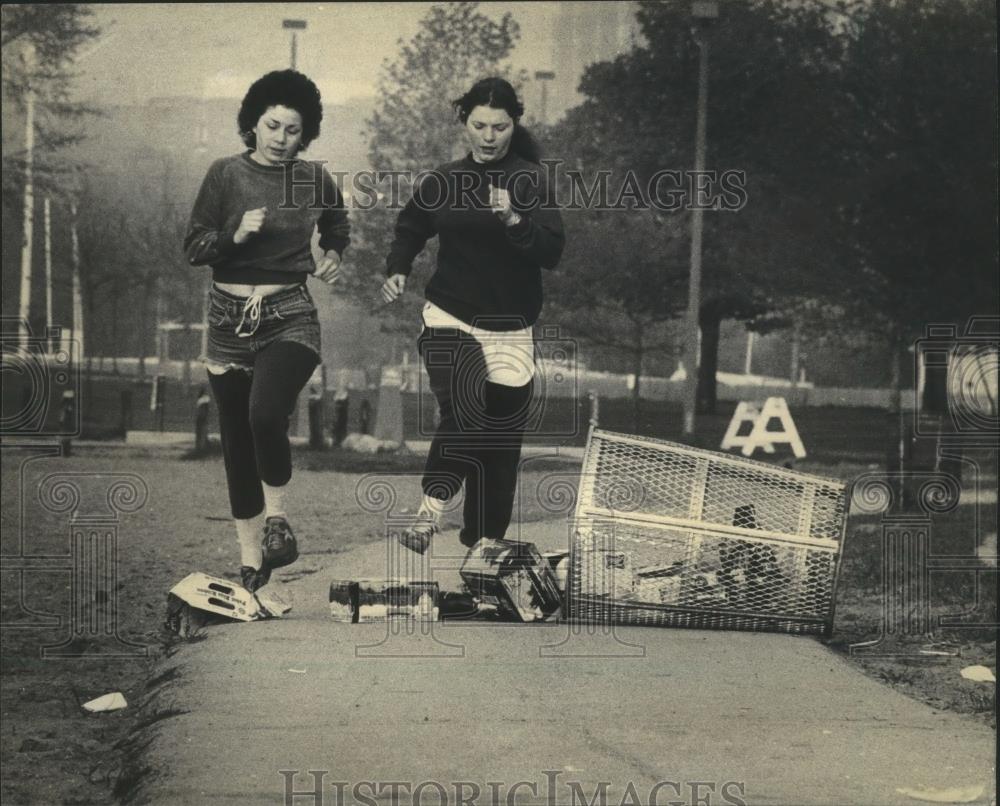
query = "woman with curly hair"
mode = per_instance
[
  {"x": 253, "y": 222},
  {"x": 497, "y": 228}
]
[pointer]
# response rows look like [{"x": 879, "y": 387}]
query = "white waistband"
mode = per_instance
[{"x": 509, "y": 354}]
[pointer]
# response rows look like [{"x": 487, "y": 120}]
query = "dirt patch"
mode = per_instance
[
  {"x": 919, "y": 644},
  {"x": 55, "y": 752}
]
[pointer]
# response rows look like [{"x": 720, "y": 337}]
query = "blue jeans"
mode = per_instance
[{"x": 240, "y": 327}]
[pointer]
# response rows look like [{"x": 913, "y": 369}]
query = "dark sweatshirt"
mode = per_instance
[
  {"x": 484, "y": 268},
  {"x": 300, "y": 196}
]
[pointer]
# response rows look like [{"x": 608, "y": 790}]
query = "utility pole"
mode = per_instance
[
  {"x": 29, "y": 194},
  {"x": 703, "y": 12},
  {"x": 293, "y": 26}
]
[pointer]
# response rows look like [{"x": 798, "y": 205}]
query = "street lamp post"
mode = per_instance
[
  {"x": 24, "y": 309},
  {"x": 544, "y": 77},
  {"x": 703, "y": 12},
  {"x": 47, "y": 223},
  {"x": 294, "y": 25}
]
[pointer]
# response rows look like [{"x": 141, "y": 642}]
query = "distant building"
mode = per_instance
[{"x": 579, "y": 34}]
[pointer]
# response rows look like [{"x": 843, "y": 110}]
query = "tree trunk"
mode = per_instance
[
  {"x": 90, "y": 320},
  {"x": 147, "y": 293},
  {"x": 900, "y": 432},
  {"x": 794, "y": 372},
  {"x": 114, "y": 328},
  {"x": 935, "y": 392},
  {"x": 710, "y": 320}
]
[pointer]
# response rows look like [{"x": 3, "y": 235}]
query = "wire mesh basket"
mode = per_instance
[{"x": 674, "y": 536}]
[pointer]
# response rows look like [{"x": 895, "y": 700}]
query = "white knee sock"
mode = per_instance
[
  {"x": 249, "y": 532},
  {"x": 274, "y": 501}
]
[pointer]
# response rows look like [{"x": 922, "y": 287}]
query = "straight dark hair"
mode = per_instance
[{"x": 497, "y": 93}]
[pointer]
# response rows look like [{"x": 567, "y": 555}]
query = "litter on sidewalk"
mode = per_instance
[
  {"x": 559, "y": 562},
  {"x": 373, "y": 600},
  {"x": 513, "y": 577},
  {"x": 504, "y": 580},
  {"x": 218, "y": 597},
  {"x": 461, "y": 604},
  {"x": 663, "y": 535},
  {"x": 114, "y": 701},
  {"x": 978, "y": 674}
]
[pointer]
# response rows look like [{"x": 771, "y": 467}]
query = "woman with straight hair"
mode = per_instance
[{"x": 497, "y": 229}]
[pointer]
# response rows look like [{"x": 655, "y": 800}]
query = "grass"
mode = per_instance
[{"x": 185, "y": 526}]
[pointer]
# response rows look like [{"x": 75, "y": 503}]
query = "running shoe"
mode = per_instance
[
  {"x": 254, "y": 578},
  {"x": 279, "y": 546},
  {"x": 418, "y": 536}
]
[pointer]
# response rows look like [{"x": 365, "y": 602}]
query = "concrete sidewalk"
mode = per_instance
[{"x": 710, "y": 717}]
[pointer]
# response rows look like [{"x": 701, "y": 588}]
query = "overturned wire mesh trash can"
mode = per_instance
[{"x": 672, "y": 536}]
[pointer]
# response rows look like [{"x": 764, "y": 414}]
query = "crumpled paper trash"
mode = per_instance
[
  {"x": 108, "y": 702},
  {"x": 200, "y": 599},
  {"x": 272, "y": 604},
  {"x": 229, "y": 599},
  {"x": 980, "y": 674}
]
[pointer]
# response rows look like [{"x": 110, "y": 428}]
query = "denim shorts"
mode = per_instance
[{"x": 240, "y": 327}]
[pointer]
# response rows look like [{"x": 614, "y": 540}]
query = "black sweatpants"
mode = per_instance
[
  {"x": 253, "y": 421},
  {"x": 478, "y": 439}
]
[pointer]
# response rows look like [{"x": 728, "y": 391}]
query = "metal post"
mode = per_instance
[
  {"x": 77, "y": 292},
  {"x": 49, "y": 346},
  {"x": 694, "y": 285},
  {"x": 595, "y": 408},
  {"x": 544, "y": 77},
  {"x": 29, "y": 195},
  {"x": 293, "y": 26}
]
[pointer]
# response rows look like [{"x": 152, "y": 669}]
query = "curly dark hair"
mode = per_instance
[{"x": 281, "y": 88}]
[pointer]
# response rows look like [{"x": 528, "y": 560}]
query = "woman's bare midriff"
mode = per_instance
[{"x": 248, "y": 290}]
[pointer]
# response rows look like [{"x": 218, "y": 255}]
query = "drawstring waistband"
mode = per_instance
[
  {"x": 251, "y": 307},
  {"x": 257, "y": 307}
]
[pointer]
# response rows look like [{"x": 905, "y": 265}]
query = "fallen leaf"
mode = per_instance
[
  {"x": 964, "y": 794},
  {"x": 109, "y": 702},
  {"x": 980, "y": 674}
]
